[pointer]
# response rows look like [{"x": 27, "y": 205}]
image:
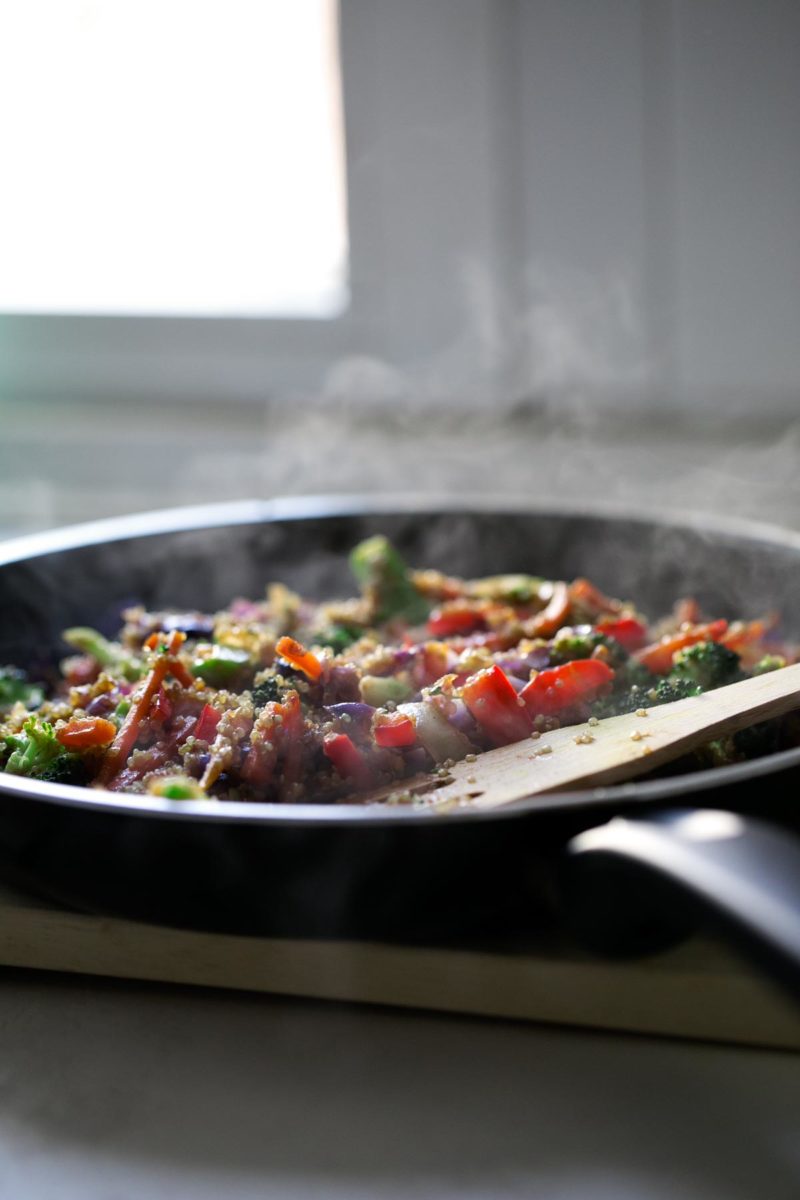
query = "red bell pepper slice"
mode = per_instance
[
  {"x": 161, "y": 708},
  {"x": 630, "y": 633},
  {"x": 491, "y": 698},
  {"x": 206, "y": 727},
  {"x": 455, "y": 620},
  {"x": 345, "y": 756},
  {"x": 658, "y": 656},
  {"x": 86, "y": 732},
  {"x": 563, "y": 687},
  {"x": 394, "y": 730},
  {"x": 299, "y": 657},
  {"x": 431, "y": 662}
]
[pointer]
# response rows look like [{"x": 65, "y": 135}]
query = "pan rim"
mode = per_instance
[{"x": 243, "y": 512}]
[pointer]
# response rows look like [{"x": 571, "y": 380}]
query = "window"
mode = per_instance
[{"x": 177, "y": 157}]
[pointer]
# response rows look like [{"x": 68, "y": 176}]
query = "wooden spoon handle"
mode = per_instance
[{"x": 616, "y": 749}]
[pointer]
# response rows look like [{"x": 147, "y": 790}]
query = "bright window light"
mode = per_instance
[{"x": 179, "y": 157}]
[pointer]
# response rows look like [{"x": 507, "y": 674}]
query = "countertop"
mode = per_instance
[{"x": 112, "y": 1091}]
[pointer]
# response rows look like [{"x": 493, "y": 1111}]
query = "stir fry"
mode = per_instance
[{"x": 286, "y": 699}]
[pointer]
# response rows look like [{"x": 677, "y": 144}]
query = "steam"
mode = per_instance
[
  {"x": 547, "y": 398},
  {"x": 575, "y": 340}
]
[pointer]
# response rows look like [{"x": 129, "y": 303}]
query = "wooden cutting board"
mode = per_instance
[{"x": 696, "y": 991}]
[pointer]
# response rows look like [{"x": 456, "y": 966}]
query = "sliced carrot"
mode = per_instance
[
  {"x": 657, "y": 657},
  {"x": 85, "y": 732},
  {"x": 299, "y": 657},
  {"x": 551, "y": 618}
]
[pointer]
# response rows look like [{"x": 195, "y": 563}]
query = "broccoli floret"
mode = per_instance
[
  {"x": 719, "y": 753},
  {"x": 708, "y": 664},
  {"x": 770, "y": 662},
  {"x": 759, "y": 740},
  {"x": 633, "y": 685},
  {"x": 268, "y": 691},
  {"x": 338, "y": 637},
  {"x": 636, "y": 687},
  {"x": 15, "y": 687},
  {"x": 67, "y": 768},
  {"x": 669, "y": 689},
  {"x": 386, "y": 582},
  {"x": 35, "y": 752},
  {"x": 624, "y": 700},
  {"x": 572, "y": 645}
]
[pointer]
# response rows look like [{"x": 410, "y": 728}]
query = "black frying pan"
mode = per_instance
[{"x": 644, "y": 858}]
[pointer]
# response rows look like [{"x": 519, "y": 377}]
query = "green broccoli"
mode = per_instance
[
  {"x": 632, "y": 685},
  {"x": 758, "y": 740},
  {"x": 67, "y": 768},
  {"x": 719, "y": 753},
  {"x": 385, "y": 581},
  {"x": 571, "y": 645},
  {"x": 708, "y": 664},
  {"x": 337, "y": 636},
  {"x": 108, "y": 654},
  {"x": 669, "y": 689},
  {"x": 36, "y": 752},
  {"x": 14, "y": 687},
  {"x": 770, "y": 662},
  {"x": 268, "y": 690}
]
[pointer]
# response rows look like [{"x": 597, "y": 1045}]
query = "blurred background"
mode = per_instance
[{"x": 543, "y": 247}]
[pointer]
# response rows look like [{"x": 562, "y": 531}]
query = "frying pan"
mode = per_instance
[{"x": 629, "y": 868}]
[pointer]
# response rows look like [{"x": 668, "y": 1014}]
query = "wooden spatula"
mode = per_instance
[{"x": 615, "y": 749}]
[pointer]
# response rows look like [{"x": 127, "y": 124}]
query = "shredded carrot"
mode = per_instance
[
  {"x": 178, "y": 671},
  {"x": 123, "y": 743},
  {"x": 171, "y": 642}
]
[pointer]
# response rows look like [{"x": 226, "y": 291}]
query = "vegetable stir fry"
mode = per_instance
[{"x": 285, "y": 699}]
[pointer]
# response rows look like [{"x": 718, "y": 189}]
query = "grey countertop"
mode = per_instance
[{"x": 112, "y": 1091}]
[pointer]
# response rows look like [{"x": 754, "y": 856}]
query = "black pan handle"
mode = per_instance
[{"x": 743, "y": 872}]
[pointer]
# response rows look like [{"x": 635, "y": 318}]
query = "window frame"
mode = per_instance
[{"x": 121, "y": 358}]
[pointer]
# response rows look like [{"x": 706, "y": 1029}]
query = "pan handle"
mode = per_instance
[{"x": 743, "y": 872}]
